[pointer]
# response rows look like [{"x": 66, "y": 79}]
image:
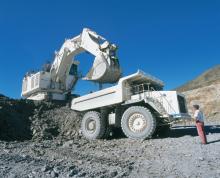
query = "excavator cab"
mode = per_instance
[{"x": 73, "y": 70}]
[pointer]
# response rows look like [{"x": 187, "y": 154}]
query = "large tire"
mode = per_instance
[
  {"x": 138, "y": 123},
  {"x": 93, "y": 125}
]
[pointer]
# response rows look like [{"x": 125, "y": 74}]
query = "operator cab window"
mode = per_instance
[{"x": 73, "y": 70}]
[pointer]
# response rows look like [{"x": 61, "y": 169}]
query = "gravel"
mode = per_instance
[{"x": 43, "y": 140}]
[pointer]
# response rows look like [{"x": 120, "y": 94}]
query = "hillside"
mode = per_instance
[
  {"x": 205, "y": 91},
  {"x": 209, "y": 77}
]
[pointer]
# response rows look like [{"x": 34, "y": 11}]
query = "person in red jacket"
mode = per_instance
[{"x": 199, "y": 118}]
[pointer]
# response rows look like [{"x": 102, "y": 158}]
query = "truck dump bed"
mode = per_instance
[{"x": 114, "y": 95}]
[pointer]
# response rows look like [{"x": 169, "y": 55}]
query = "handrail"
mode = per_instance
[
  {"x": 165, "y": 100},
  {"x": 140, "y": 88}
]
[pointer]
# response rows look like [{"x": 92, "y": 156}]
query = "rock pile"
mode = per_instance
[{"x": 24, "y": 120}]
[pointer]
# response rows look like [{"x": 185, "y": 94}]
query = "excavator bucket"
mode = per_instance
[{"x": 103, "y": 71}]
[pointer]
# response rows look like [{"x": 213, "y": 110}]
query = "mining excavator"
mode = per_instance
[
  {"x": 56, "y": 81},
  {"x": 136, "y": 104}
]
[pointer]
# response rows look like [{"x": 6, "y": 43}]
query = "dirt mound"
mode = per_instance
[
  {"x": 24, "y": 120},
  {"x": 14, "y": 123},
  {"x": 58, "y": 121}
]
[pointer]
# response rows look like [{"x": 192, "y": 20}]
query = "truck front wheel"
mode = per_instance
[
  {"x": 93, "y": 125},
  {"x": 138, "y": 123}
]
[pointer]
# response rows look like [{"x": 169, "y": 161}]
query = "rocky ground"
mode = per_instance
[
  {"x": 178, "y": 155},
  {"x": 43, "y": 140}
]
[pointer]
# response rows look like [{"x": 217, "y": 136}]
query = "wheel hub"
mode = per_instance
[
  {"x": 91, "y": 125},
  {"x": 137, "y": 122}
]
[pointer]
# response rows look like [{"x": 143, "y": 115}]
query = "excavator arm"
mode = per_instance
[{"x": 105, "y": 67}]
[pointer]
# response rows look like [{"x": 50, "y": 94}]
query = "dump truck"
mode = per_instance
[{"x": 136, "y": 104}]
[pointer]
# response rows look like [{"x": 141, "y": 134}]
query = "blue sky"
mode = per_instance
[{"x": 173, "y": 40}]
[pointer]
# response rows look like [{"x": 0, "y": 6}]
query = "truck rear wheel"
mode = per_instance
[
  {"x": 93, "y": 125},
  {"x": 138, "y": 123}
]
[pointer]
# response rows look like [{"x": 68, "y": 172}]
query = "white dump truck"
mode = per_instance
[{"x": 137, "y": 103}]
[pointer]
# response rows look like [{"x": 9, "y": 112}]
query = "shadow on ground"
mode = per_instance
[
  {"x": 174, "y": 132},
  {"x": 179, "y": 131}
]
